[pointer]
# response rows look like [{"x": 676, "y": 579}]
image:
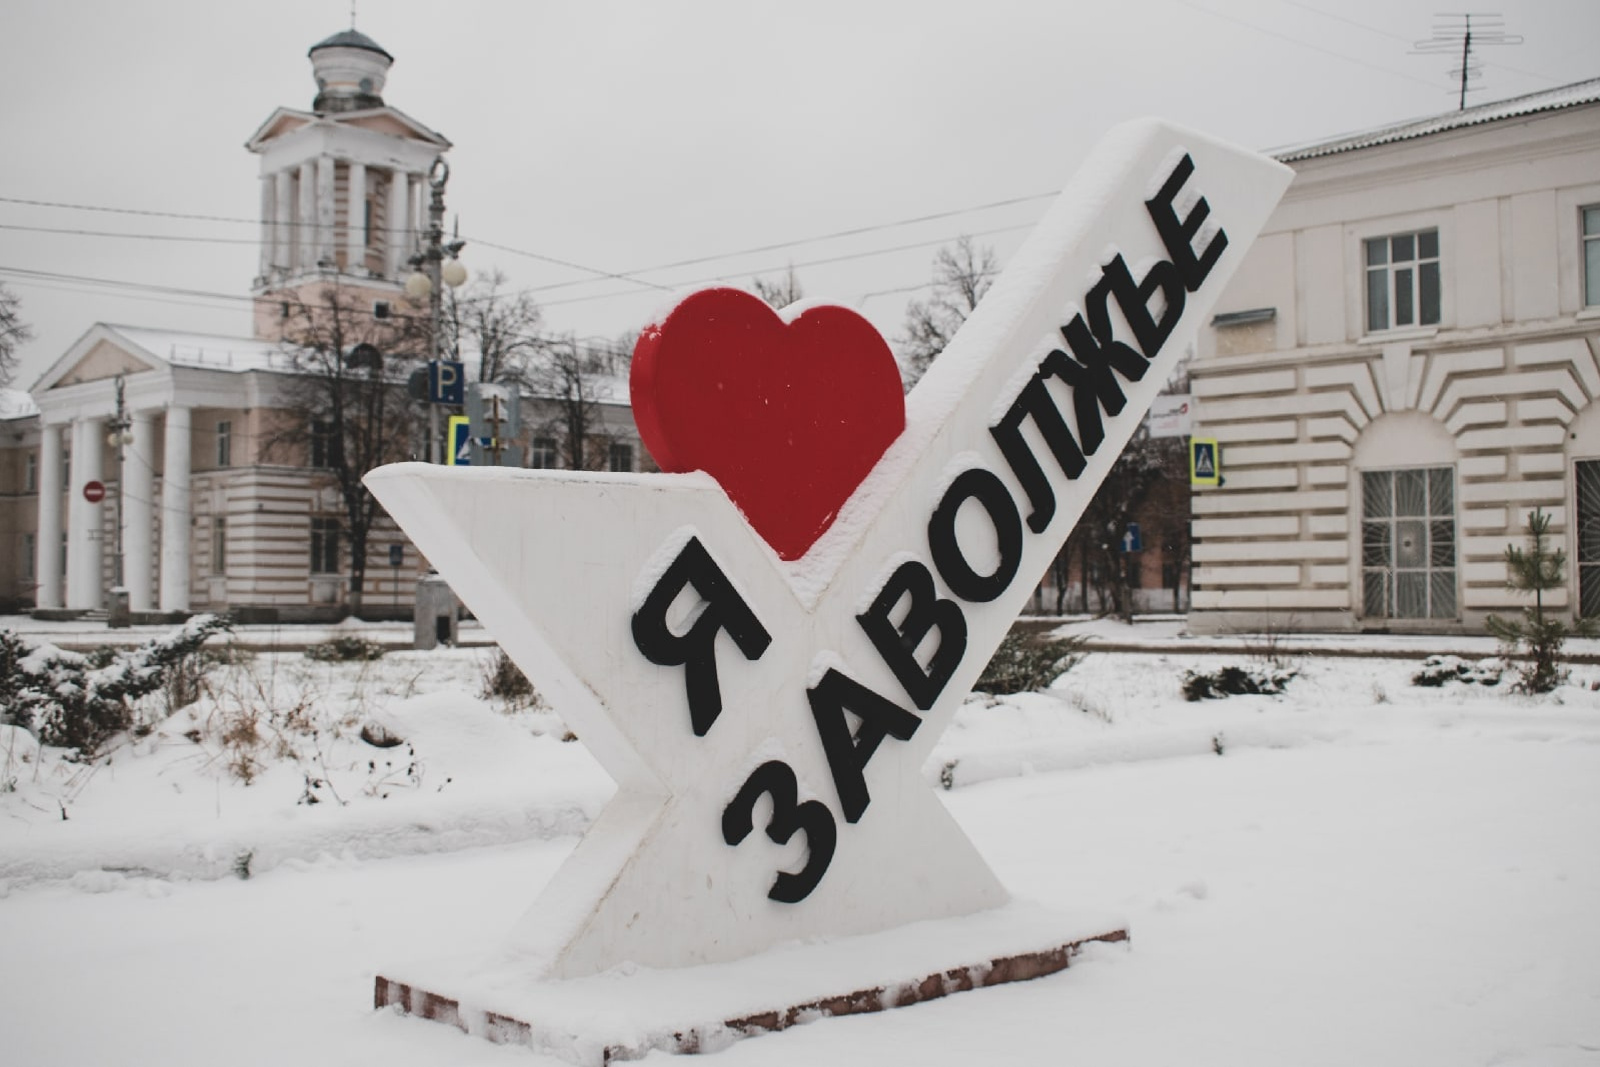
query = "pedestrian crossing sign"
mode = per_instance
[
  {"x": 458, "y": 451},
  {"x": 1204, "y": 465}
]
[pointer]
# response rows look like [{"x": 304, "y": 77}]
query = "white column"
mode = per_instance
[
  {"x": 175, "y": 533},
  {"x": 325, "y": 209},
  {"x": 267, "y": 235},
  {"x": 283, "y": 232},
  {"x": 395, "y": 218},
  {"x": 306, "y": 217},
  {"x": 138, "y": 512},
  {"x": 355, "y": 220},
  {"x": 47, "y": 546},
  {"x": 85, "y": 521},
  {"x": 417, "y": 209}
]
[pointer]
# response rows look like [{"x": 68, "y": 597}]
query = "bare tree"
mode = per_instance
[
  {"x": 14, "y": 333},
  {"x": 780, "y": 291},
  {"x": 501, "y": 326},
  {"x": 961, "y": 275},
  {"x": 345, "y": 403},
  {"x": 572, "y": 381},
  {"x": 1132, "y": 492}
]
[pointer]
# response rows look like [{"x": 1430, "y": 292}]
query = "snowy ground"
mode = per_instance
[{"x": 1369, "y": 872}]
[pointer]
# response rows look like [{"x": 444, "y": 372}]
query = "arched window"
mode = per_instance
[{"x": 1408, "y": 518}]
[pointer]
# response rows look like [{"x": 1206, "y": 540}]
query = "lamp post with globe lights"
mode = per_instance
[
  {"x": 434, "y": 266},
  {"x": 119, "y": 436}
]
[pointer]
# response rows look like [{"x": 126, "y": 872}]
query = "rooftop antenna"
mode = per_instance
[
  {"x": 352, "y": 14},
  {"x": 1457, "y": 32}
]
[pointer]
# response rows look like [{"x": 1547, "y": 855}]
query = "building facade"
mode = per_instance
[
  {"x": 209, "y": 498},
  {"x": 1407, "y": 364}
]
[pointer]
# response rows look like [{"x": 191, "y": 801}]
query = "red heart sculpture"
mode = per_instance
[{"x": 787, "y": 417}]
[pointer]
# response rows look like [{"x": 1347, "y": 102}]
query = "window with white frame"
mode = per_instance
[
  {"x": 621, "y": 456},
  {"x": 1403, "y": 283},
  {"x": 225, "y": 443},
  {"x": 543, "y": 453},
  {"x": 1408, "y": 543},
  {"x": 324, "y": 546},
  {"x": 1591, "y": 255},
  {"x": 30, "y": 549},
  {"x": 219, "y": 545},
  {"x": 30, "y": 474}
]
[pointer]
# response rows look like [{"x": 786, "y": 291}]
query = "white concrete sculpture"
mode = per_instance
[{"x": 768, "y": 721}]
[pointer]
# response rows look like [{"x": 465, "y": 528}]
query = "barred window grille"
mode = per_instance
[
  {"x": 1588, "y": 480},
  {"x": 1408, "y": 543}
]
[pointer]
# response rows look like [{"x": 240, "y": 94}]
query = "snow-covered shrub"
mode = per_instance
[
  {"x": 345, "y": 650},
  {"x": 1231, "y": 680},
  {"x": 1024, "y": 663},
  {"x": 503, "y": 680},
  {"x": 1437, "y": 670},
  {"x": 78, "y": 702}
]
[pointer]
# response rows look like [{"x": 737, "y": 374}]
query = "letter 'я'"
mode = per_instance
[{"x": 766, "y": 682}]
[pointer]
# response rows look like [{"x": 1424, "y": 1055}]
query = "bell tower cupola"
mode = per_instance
[
  {"x": 343, "y": 186},
  {"x": 350, "y": 68}
]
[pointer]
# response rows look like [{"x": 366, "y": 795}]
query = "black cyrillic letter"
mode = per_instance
[
  {"x": 1093, "y": 385},
  {"x": 848, "y": 756},
  {"x": 1035, "y": 401},
  {"x": 986, "y": 488},
  {"x": 1134, "y": 299},
  {"x": 776, "y": 779},
  {"x": 695, "y": 649},
  {"x": 898, "y": 644},
  {"x": 1177, "y": 233}
]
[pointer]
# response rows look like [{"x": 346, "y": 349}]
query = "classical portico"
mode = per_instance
[{"x": 169, "y": 381}]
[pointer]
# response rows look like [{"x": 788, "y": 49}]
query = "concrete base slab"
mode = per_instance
[{"x": 626, "y": 1013}]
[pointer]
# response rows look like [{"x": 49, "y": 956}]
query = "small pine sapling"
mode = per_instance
[{"x": 1537, "y": 569}]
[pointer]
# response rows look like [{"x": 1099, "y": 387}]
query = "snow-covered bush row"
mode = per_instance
[
  {"x": 1437, "y": 670},
  {"x": 1024, "y": 663},
  {"x": 345, "y": 650},
  {"x": 77, "y": 702},
  {"x": 1232, "y": 680}
]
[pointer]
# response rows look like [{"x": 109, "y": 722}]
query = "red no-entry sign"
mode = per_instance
[{"x": 94, "y": 492}]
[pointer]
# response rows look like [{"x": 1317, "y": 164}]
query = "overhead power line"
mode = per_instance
[
  {"x": 633, "y": 275},
  {"x": 1300, "y": 42}
]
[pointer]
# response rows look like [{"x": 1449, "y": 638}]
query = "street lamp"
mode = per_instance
[
  {"x": 434, "y": 264},
  {"x": 119, "y": 437}
]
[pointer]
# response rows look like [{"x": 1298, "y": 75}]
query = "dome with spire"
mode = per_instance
[{"x": 350, "y": 69}]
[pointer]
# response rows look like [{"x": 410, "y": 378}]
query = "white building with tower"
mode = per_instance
[{"x": 199, "y": 514}]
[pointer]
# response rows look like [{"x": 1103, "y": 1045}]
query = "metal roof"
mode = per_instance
[
  {"x": 210, "y": 351},
  {"x": 351, "y": 38},
  {"x": 15, "y": 404},
  {"x": 1574, "y": 95}
]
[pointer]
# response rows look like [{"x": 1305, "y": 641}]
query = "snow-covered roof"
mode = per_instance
[
  {"x": 1574, "y": 95},
  {"x": 211, "y": 351},
  {"x": 16, "y": 404}
]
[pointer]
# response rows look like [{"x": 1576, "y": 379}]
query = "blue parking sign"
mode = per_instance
[{"x": 447, "y": 381}]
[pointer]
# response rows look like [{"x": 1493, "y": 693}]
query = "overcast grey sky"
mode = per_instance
[{"x": 623, "y": 135}]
